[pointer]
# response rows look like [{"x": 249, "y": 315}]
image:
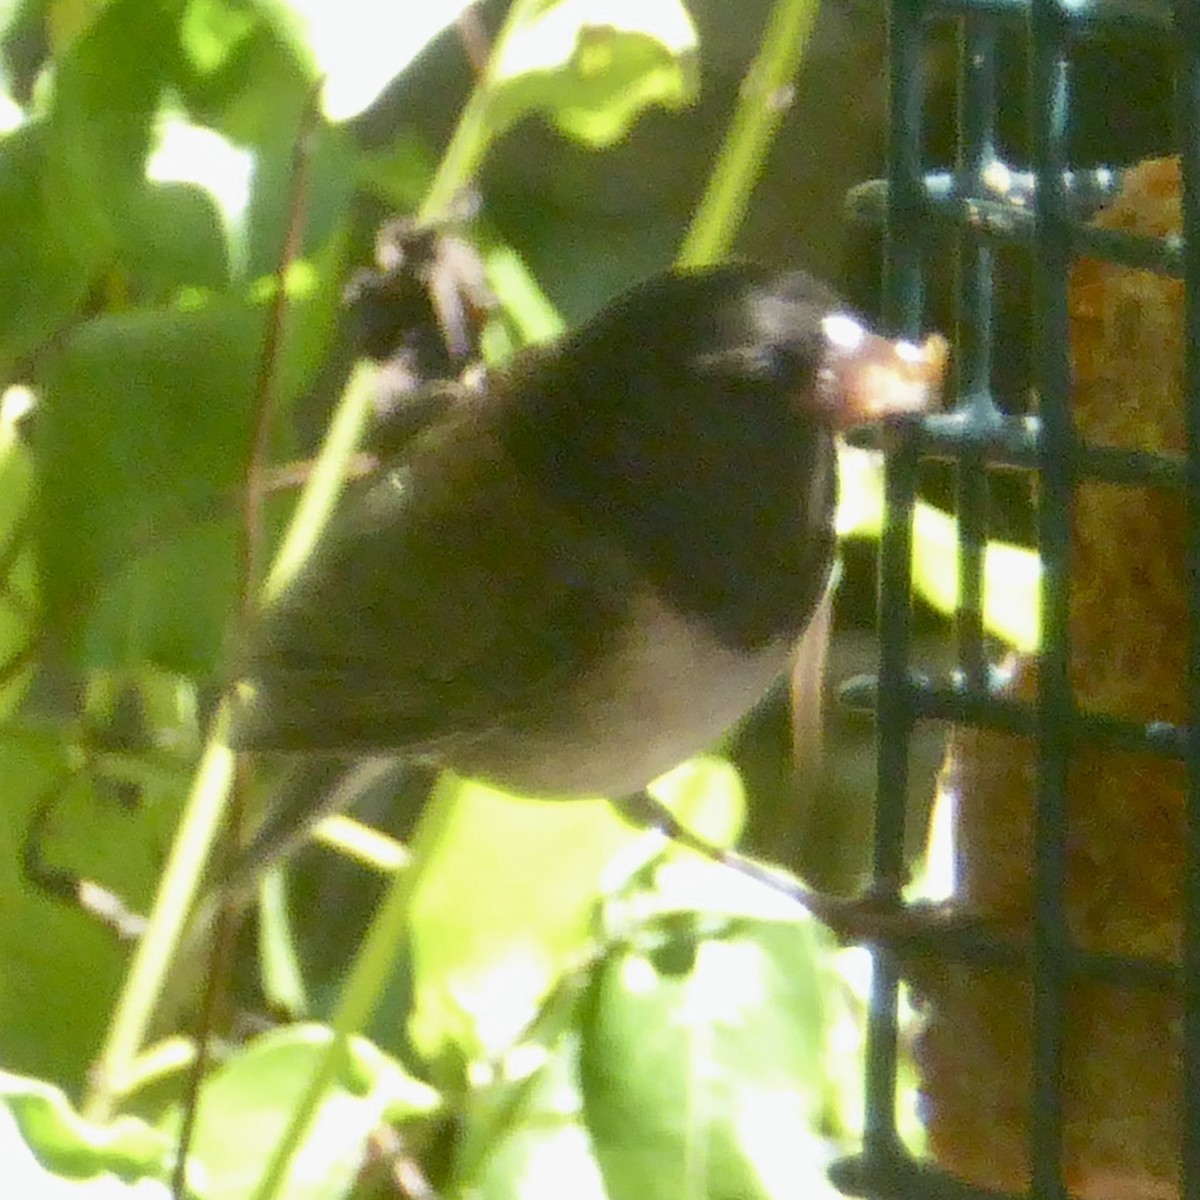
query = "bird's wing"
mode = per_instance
[{"x": 441, "y": 604}]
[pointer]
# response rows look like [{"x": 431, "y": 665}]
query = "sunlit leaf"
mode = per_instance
[
  {"x": 701, "y": 1063},
  {"x": 508, "y": 894},
  {"x": 66, "y": 180},
  {"x": 245, "y": 1106},
  {"x": 592, "y": 66},
  {"x": 51, "y": 1153},
  {"x": 542, "y": 1149}
]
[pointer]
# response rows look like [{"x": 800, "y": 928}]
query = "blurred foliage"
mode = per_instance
[{"x": 575, "y": 1011}]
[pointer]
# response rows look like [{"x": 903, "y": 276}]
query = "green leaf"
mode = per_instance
[
  {"x": 169, "y": 606},
  {"x": 398, "y": 173},
  {"x": 333, "y": 163},
  {"x": 51, "y": 1153},
  {"x": 539, "y": 1147},
  {"x": 144, "y": 423},
  {"x": 508, "y": 894},
  {"x": 688, "y": 1061},
  {"x": 593, "y": 66},
  {"x": 172, "y": 237},
  {"x": 61, "y": 965},
  {"x": 65, "y": 181},
  {"x": 11, "y": 12},
  {"x": 189, "y": 159},
  {"x": 701, "y": 1063},
  {"x": 56, "y": 240},
  {"x": 245, "y": 1106},
  {"x": 243, "y": 71},
  {"x": 142, "y": 445},
  {"x": 106, "y": 90},
  {"x": 504, "y": 903},
  {"x": 212, "y": 31}
]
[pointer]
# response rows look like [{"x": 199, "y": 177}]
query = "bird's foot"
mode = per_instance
[{"x": 879, "y": 916}]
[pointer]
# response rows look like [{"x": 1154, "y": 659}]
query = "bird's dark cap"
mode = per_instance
[{"x": 865, "y": 378}]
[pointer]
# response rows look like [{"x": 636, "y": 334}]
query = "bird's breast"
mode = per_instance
[{"x": 664, "y": 690}]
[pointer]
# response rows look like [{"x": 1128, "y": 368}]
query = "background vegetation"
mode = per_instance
[{"x": 568, "y": 1009}]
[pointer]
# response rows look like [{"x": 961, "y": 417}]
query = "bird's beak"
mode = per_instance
[{"x": 865, "y": 377}]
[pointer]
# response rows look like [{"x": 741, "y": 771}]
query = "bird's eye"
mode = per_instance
[{"x": 844, "y": 332}]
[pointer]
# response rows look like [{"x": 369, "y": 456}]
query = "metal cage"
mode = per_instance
[{"x": 1045, "y": 208}]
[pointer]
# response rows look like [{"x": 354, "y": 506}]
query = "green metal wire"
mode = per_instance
[{"x": 1042, "y": 207}]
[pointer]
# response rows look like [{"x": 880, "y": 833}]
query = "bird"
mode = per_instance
[{"x": 582, "y": 568}]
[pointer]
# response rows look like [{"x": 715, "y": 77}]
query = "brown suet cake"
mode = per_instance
[{"x": 1128, "y": 629}]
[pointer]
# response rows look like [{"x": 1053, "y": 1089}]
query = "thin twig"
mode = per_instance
[
  {"x": 265, "y": 385},
  {"x": 474, "y": 37},
  {"x": 220, "y": 962},
  {"x": 252, "y": 573}
]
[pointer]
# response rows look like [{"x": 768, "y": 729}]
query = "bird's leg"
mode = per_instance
[
  {"x": 878, "y": 916},
  {"x": 305, "y": 796},
  {"x": 643, "y": 810}
]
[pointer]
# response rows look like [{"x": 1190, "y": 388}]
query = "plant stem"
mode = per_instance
[
  {"x": 474, "y": 134},
  {"x": 190, "y": 852},
  {"x": 765, "y": 97},
  {"x": 464, "y": 156},
  {"x": 368, "y": 977},
  {"x": 151, "y": 960}
]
